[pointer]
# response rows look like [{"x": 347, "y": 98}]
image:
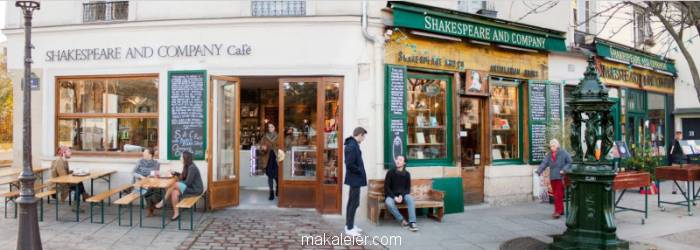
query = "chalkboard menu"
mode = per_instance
[
  {"x": 187, "y": 109},
  {"x": 538, "y": 102},
  {"x": 554, "y": 99},
  {"x": 395, "y": 119},
  {"x": 544, "y": 105},
  {"x": 538, "y": 140}
]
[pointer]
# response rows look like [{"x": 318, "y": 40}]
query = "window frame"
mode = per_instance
[
  {"x": 449, "y": 136},
  {"x": 58, "y": 115},
  {"x": 109, "y": 11},
  {"x": 520, "y": 89}
]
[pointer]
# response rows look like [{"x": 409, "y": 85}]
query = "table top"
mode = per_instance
[
  {"x": 152, "y": 182},
  {"x": 687, "y": 172},
  {"x": 631, "y": 179},
  {"x": 17, "y": 171},
  {"x": 72, "y": 179}
]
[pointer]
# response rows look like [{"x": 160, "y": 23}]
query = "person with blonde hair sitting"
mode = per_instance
[{"x": 558, "y": 161}]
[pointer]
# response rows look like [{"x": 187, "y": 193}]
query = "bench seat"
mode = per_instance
[{"x": 421, "y": 191}]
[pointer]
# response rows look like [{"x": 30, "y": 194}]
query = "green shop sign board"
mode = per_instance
[
  {"x": 633, "y": 57},
  {"x": 464, "y": 26},
  {"x": 545, "y": 113}
]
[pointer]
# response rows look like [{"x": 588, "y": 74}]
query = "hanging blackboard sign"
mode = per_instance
[
  {"x": 538, "y": 102},
  {"x": 187, "y": 113},
  {"x": 395, "y": 118},
  {"x": 544, "y": 105}
]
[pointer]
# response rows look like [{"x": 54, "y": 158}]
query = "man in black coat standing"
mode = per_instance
[{"x": 355, "y": 177}]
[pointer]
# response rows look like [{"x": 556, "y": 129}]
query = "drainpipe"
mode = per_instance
[{"x": 377, "y": 78}]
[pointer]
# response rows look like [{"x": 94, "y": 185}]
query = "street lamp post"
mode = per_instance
[{"x": 28, "y": 236}]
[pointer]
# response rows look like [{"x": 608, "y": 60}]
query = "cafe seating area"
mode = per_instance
[{"x": 125, "y": 204}]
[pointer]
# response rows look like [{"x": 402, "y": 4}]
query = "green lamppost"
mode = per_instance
[{"x": 591, "y": 220}]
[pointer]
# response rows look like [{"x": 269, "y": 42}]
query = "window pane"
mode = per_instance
[
  {"x": 657, "y": 123},
  {"x": 226, "y": 136},
  {"x": 427, "y": 118},
  {"x": 108, "y": 134},
  {"x": 138, "y": 95},
  {"x": 331, "y": 115},
  {"x": 300, "y": 130},
  {"x": 505, "y": 136},
  {"x": 470, "y": 128}
]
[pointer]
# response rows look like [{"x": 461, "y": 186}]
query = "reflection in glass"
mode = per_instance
[
  {"x": 300, "y": 130},
  {"x": 331, "y": 138},
  {"x": 504, "y": 125},
  {"x": 226, "y": 133},
  {"x": 108, "y": 134},
  {"x": 138, "y": 95}
]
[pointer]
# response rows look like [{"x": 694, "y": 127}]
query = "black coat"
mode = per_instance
[
  {"x": 272, "y": 166},
  {"x": 355, "y": 175}
]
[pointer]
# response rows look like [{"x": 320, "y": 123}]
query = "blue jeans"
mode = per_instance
[{"x": 391, "y": 205}]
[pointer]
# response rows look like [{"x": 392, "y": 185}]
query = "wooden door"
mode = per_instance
[
  {"x": 331, "y": 169},
  {"x": 472, "y": 138},
  {"x": 224, "y": 169},
  {"x": 299, "y": 119}
]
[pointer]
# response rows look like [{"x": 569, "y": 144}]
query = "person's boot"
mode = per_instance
[
  {"x": 272, "y": 195},
  {"x": 277, "y": 192}
]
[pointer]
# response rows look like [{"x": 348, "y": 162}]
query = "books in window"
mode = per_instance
[
  {"x": 433, "y": 139},
  {"x": 496, "y": 154},
  {"x": 420, "y": 138}
]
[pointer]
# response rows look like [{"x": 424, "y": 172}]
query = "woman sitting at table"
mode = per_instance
[
  {"x": 59, "y": 167},
  {"x": 143, "y": 169},
  {"x": 190, "y": 184}
]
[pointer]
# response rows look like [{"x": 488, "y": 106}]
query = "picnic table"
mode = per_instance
[
  {"x": 14, "y": 174},
  {"x": 71, "y": 179},
  {"x": 688, "y": 173},
  {"x": 158, "y": 183}
]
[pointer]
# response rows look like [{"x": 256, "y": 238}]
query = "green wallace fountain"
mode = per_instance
[{"x": 591, "y": 220}]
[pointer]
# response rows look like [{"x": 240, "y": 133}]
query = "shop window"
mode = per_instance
[
  {"x": 278, "y": 7},
  {"x": 300, "y": 121},
  {"x": 470, "y": 129},
  {"x": 107, "y": 114},
  {"x": 656, "y": 104},
  {"x": 428, "y": 119},
  {"x": 505, "y": 124},
  {"x": 105, "y": 11}
]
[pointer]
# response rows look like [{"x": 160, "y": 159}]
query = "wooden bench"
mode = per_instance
[
  {"x": 46, "y": 194},
  {"x": 12, "y": 195},
  {"x": 101, "y": 197},
  {"x": 126, "y": 201},
  {"x": 191, "y": 204},
  {"x": 421, "y": 191}
]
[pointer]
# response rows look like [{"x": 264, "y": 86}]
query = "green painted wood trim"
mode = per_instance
[
  {"x": 388, "y": 149},
  {"x": 204, "y": 109}
]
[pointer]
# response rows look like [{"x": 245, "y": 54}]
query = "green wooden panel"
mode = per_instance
[
  {"x": 454, "y": 195},
  {"x": 199, "y": 148}
]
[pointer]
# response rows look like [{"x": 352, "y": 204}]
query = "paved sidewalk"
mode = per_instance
[{"x": 479, "y": 227}]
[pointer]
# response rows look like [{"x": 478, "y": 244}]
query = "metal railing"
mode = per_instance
[
  {"x": 278, "y": 7},
  {"x": 105, "y": 11}
]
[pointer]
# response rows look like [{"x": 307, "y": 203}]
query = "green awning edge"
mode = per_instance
[{"x": 410, "y": 15}]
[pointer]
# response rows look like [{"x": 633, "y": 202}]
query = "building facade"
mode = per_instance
[{"x": 468, "y": 91}]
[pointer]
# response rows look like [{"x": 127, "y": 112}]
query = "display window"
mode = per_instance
[
  {"x": 656, "y": 113},
  {"x": 107, "y": 114},
  {"x": 505, "y": 122},
  {"x": 428, "y": 122}
]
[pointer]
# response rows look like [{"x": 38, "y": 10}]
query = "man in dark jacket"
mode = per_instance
[
  {"x": 355, "y": 177},
  {"x": 676, "y": 154},
  {"x": 397, "y": 189}
]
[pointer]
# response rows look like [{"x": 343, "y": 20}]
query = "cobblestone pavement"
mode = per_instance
[{"x": 262, "y": 229}]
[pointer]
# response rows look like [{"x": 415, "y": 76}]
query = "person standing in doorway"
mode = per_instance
[
  {"x": 676, "y": 154},
  {"x": 271, "y": 168},
  {"x": 355, "y": 177},
  {"x": 558, "y": 161}
]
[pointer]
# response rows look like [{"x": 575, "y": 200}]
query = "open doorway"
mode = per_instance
[{"x": 259, "y": 123}]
